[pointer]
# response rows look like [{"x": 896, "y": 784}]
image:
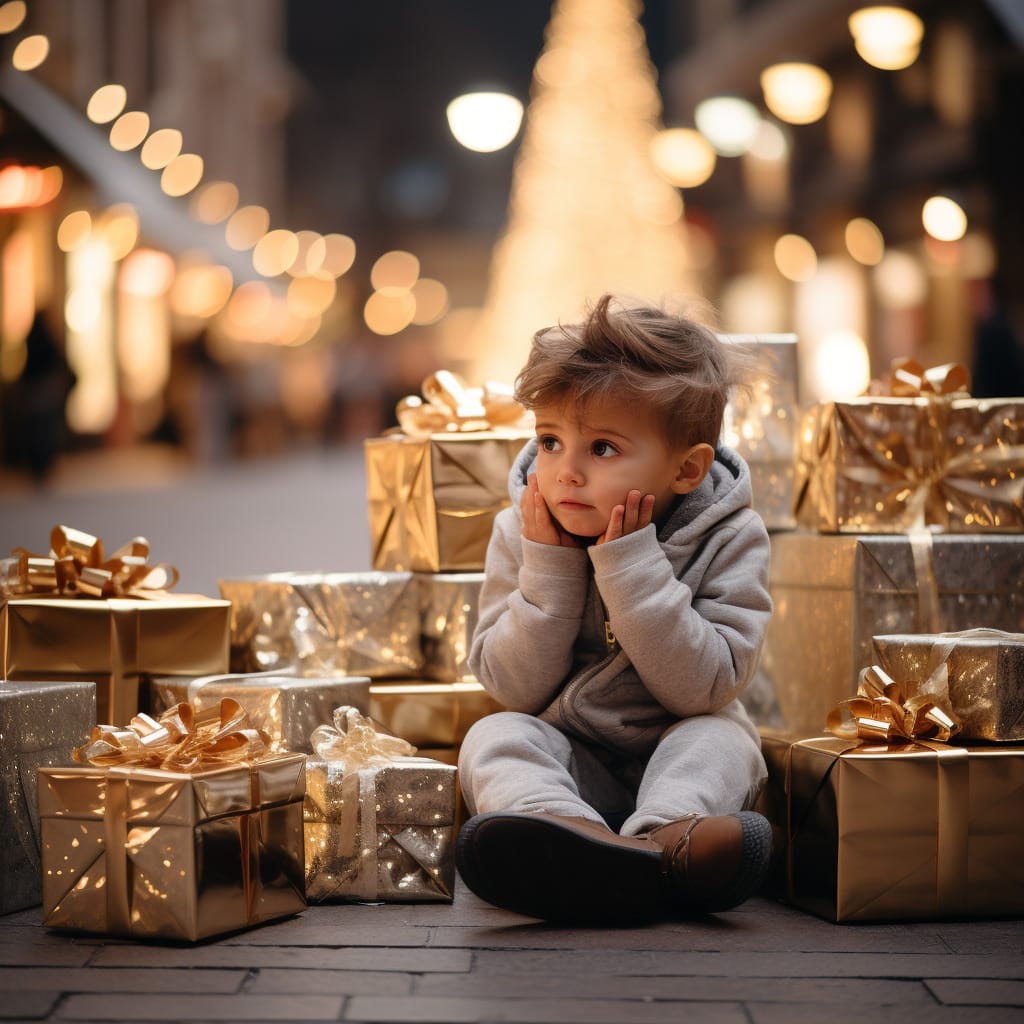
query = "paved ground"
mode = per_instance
[{"x": 763, "y": 963}]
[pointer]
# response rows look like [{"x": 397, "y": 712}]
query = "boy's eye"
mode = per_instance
[
  {"x": 548, "y": 443},
  {"x": 602, "y": 449}
]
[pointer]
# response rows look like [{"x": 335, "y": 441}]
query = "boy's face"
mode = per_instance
[{"x": 592, "y": 455}]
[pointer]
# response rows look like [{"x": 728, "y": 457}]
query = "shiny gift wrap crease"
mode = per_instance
[
  {"x": 287, "y": 708},
  {"x": 984, "y": 669},
  {"x": 833, "y": 593},
  {"x": 920, "y": 831},
  {"x": 891, "y": 465},
  {"x": 113, "y": 642},
  {"x": 325, "y": 624},
  {"x": 432, "y": 500},
  {"x": 40, "y": 726},
  {"x": 429, "y": 714},
  {"x": 448, "y": 612}
]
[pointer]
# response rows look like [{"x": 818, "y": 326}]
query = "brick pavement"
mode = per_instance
[{"x": 763, "y": 963}]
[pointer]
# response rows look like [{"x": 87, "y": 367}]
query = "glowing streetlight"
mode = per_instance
[{"x": 485, "y": 121}]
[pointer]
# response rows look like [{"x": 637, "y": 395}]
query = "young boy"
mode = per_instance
[{"x": 623, "y": 609}]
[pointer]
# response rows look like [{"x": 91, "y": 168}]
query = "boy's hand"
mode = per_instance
[
  {"x": 634, "y": 515},
  {"x": 538, "y": 523}
]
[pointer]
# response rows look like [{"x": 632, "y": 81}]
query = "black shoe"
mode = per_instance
[{"x": 563, "y": 869}]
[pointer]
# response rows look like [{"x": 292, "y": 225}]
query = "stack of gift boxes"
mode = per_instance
[{"x": 898, "y": 605}]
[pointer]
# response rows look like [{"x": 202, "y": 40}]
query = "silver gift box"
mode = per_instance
[
  {"x": 449, "y": 603},
  {"x": 288, "y": 708},
  {"x": 834, "y": 592},
  {"x": 40, "y": 726},
  {"x": 322, "y": 624}
]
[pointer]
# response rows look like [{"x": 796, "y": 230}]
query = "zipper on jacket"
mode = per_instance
[{"x": 566, "y": 702}]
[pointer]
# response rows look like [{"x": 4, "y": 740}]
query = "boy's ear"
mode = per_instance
[{"x": 693, "y": 467}]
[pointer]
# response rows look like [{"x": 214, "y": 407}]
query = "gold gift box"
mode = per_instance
[
  {"x": 985, "y": 676},
  {"x": 384, "y": 832},
  {"x": 888, "y": 465},
  {"x": 428, "y": 714},
  {"x": 432, "y": 500},
  {"x": 112, "y": 642},
  {"x": 449, "y": 605},
  {"x": 921, "y": 832},
  {"x": 147, "y": 853},
  {"x": 833, "y": 593}
]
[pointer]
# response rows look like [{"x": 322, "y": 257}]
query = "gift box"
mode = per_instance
[
  {"x": 322, "y": 624},
  {"x": 429, "y": 714},
  {"x": 40, "y": 726},
  {"x": 114, "y": 642},
  {"x": 982, "y": 669},
  {"x": 882, "y": 464},
  {"x": 761, "y": 421},
  {"x": 432, "y": 500},
  {"x": 448, "y": 614},
  {"x": 287, "y": 708},
  {"x": 380, "y": 825},
  {"x": 920, "y": 831},
  {"x": 833, "y": 593},
  {"x": 182, "y": 853}
]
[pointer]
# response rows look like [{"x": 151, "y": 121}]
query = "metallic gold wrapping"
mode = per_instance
[
  {"x": 287, "y": 708},
  {"x": 112, "y": 642},
  {"x": 40, "y": 726},
  {"x": 448, "y": 613},
  {"x": 384, "y": 832},
  {"x": 984, "y": 673},
  {"x": 430, "y": 714},
  {"x": 323, "y": 624},
  {"x": 432, "y": 500},
  {"x": 833, "y": 593},
  {"x": 153, "y": 854},
  {"x": 760, "y": 423},
  {"x": 890, "y": 465},
  {"x": 917, "y": 832}
]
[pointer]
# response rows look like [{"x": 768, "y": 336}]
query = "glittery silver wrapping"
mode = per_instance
[
  {"x": 40, "y": 726},
  {"x": 834, "y": 592},
  {"x": 323, "y": 624},
  {"x": 385, "y": 832},
  {"x": 760, "y": 424},
  {"x": 985, "y": 678},
  {"x": 288, "y": 708},
  {"x": 448, "y": 611}
]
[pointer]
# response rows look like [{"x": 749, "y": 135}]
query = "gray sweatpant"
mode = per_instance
[{"x": 515, "y": 762}]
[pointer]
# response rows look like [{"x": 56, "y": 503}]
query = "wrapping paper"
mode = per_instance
[
  {"x": 114, "y": 642},
  {"x": 323, "y": 624},
  {"x": 914, "y": 832},
  {"x": 983, "y": 670},
  {"x": 430, "y": 714},
  {"x": 761, "y": 424},
  {"x": 287, "y": 708},
  {"x": 40, "y": 726},
  {"x": 833, "y": 593},
  {"x": 159, "y": 854},
  {"x": 890, "y": 465},
  {"x": 432, "y": 500},
  {"x": 448, "y": 614}
]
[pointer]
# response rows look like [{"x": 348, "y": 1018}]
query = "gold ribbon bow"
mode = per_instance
[
  {"x": 452, "y": 406},
  {"x": 182, "y": 740},
  {"x": 881, "y": 712},
  {"x": 908, "y": 378},
  {"x": 355, "y": 740},
  {"x": 77, "y": 567}
]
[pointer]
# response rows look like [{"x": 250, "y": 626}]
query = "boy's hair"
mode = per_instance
[{"x": 676, "y": 366}]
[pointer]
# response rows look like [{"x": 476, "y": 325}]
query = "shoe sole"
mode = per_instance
[{"x": 544, "y": 869}]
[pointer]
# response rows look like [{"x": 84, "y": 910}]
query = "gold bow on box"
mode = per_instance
[
  {"x": 450, "y": 405},
  {"x": 907, "y": 378},
  {"x": 355, "y": 740},
  {"x": 77, "y": 567},
  {"x": 880, "y": 711}
]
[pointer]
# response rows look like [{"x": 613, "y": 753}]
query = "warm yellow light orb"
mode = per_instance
[
  {"x": 485, "y": 121},
  {"x": 214, "y": 202},
  {"x": 683, "y": 157},
  {"x": 729, "y": 123},
  {"x": 795, "y": 258},
  {"x": 106, "y": 103},
  {"x": 864, "y": 241},
  {"x": 12, "y": 14},
  {"x": 795, "y": 92},
  {"x": 944, "y": 219},
  {"x": 395, "y": 269},
  {"x": 182, "y": 174},
  {"x": 30, "y": 52},
  {"x": 129, "y": 130},
  {"x": 161, "y": 148},
  {"x": 886, "y": 37}
]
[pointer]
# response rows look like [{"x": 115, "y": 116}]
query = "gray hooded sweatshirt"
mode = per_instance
[{"x": 617, "y": 642}]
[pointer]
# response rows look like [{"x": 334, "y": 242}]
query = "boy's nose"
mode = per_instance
[{"x": 569, "y": 474}]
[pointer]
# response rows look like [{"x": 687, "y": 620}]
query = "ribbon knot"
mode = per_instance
[
  {"x": 77, "y": 566},
  {"x": 880, "y": 711},
  {"x": 907, "y": 378},
  {"x": 450, "y": 405},
  {"x": 181, "y": 740},
  {"x": 355, "y": 740}
]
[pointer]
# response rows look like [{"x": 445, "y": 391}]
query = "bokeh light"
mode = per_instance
[
  {"x": 431, "y": 299},
  {"x": 275, "y": 252},
  {"x": 864, "y": 241},
  {"x": 106, "y": 103},
  {"x": 395, "y": 269},
  {"x": 12, "y": 14},
  {"x": 484, "y": 121},
  {"x": 729, "y": 123},
  {"x": 246, "y": 226},
  {"x": 795, "y": 258},
  {"x": 886, "y": 37},
  {"x": 30, "y": 52},
  {"x": 944, "y": 219},
  {"x": 389, "y": 310},
  {"x": 161, "y": 148},
  {"x": 129, "y": 130},
  {"x": 683, "y": 157},
  {"x": 795, "y": 92},
  {"x": 182, "y": 174},
  {"x": 213, "y": 202}
]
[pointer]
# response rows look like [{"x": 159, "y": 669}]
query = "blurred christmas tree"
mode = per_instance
[{"x": 588, "y": 211}]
